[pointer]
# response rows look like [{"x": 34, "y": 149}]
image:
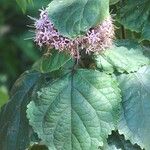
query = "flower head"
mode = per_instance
[{"x": 95, "y": 40}]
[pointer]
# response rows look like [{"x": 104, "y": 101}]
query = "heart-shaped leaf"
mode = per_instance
[{"x": 77, "y": 111}]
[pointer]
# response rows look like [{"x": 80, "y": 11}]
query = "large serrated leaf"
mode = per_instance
[
  {"x": 135, "y": 15},
  {"x": 74, "y": 17},
  {"x": 14, "y": 126},
  {"x": 52, "y": 62},
  {"x": 135, "y": 120},
  {"x": 118, "y": 142},
  {"x": 77, "y": 111},
  {"x": 125, "y": 56}
]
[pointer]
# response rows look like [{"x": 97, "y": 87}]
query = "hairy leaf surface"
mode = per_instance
[
  {"x": 135, "y": 120},
  {"x": 75, "y": 17},
  {"x": 135, "y": 15},
  {"x": 125, "y": 56},
  {"x": 14, "y": 126},
  {"x": 77, "y": 111}
]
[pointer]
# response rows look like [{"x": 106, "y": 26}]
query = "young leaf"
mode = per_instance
[
  {"x": 14, "y": 126},
  {"x": 134, "y": 15},
  {"x": 125, "y": 56},
  {"x": 77, "y": 111},
  {"x": 52, "y": 62},
  {"x": 135, "y": 120},
  {"x": 118, "y": 142},
  {"x": 74, "y": 17}
]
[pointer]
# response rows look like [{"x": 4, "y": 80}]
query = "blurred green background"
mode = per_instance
[{"x": 16, "y": 53}]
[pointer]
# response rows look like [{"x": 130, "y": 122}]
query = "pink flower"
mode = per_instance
[{"x": 97, "y": 39}]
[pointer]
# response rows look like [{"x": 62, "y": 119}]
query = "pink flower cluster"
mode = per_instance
[{"x": 97, "y": 39}]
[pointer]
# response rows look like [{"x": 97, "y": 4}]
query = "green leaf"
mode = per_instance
[
  {"x": 135, "y": 15},
  {"x": 125, "y": 56},
  {"x": 77, "y": 111},
  {"x": 135, "y": 120},
  {"x": 146, "y": 31},
  {"x": 23, "y": 4},
  {"x": 74, "y": 17},
  {"x": 3, "y": 95},
  {"x": 52, "y": 62},
  {"x": 14, "y": 127},
  {"x": 26, "y": 46},
  {"x": 118, "y": 142},
  {"x": 112, "y": 2},
  {"x": 38, "y": 147}
]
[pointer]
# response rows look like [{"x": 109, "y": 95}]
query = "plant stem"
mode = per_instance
[{"x": 123, "y": 32}]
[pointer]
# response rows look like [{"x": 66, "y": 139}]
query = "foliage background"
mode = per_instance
[{"x": 16, "y": 53}]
